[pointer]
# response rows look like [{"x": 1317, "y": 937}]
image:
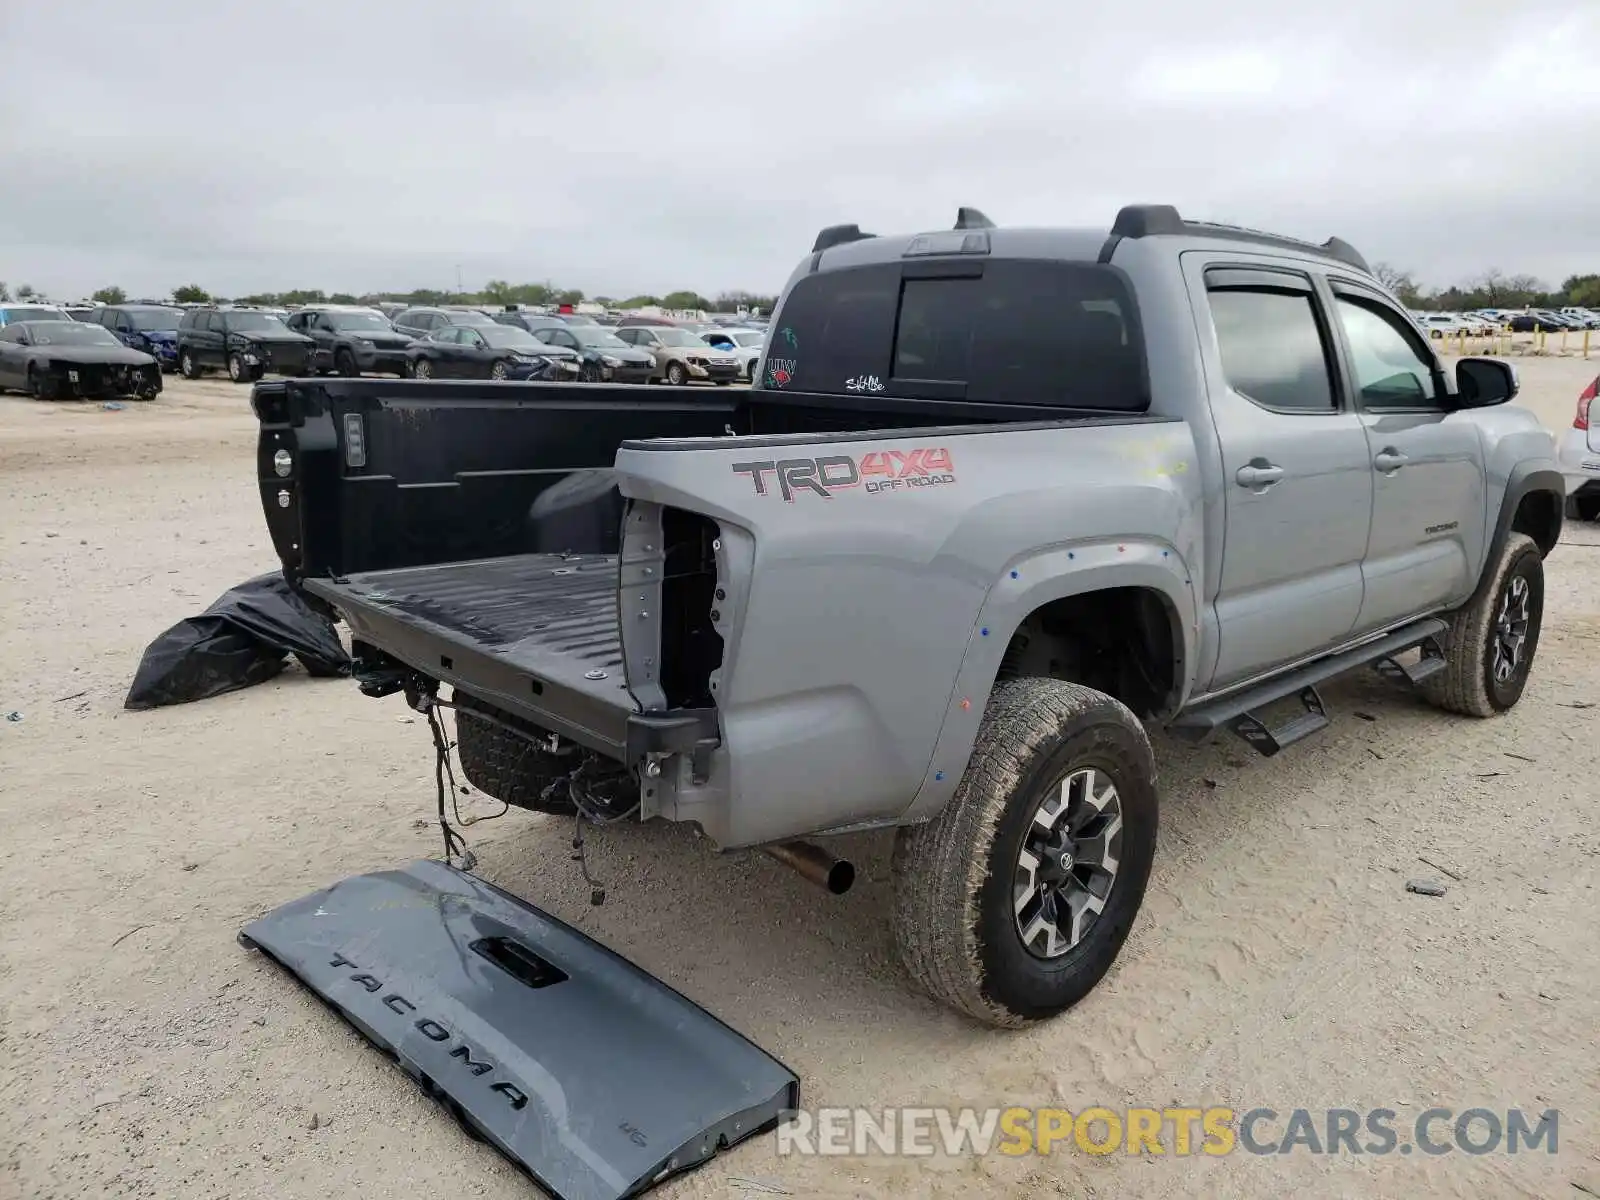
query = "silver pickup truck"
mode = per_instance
[{"x": 997, "y": 498}]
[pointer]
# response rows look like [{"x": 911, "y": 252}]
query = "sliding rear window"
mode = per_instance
[{"x": 1001, "y": 331}]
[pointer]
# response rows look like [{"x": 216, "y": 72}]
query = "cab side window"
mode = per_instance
[
  {"x": 1389, "y": 367},
  {"x": 1273, "y": 349}
]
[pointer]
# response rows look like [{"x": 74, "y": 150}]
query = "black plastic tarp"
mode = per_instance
[{"x": 243, "y": 639}]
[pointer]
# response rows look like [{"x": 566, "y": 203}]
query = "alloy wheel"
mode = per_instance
[
  {"x": 1068, "y": 863},
  {"x": 1511, "y": 629}
]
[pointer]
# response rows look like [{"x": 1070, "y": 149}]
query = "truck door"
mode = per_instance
[
  {"x": 1296, "y": 472},
  {"x": 1429, "y": 497}
]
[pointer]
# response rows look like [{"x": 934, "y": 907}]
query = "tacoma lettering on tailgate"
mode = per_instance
[{"x": 877, "y": 472}]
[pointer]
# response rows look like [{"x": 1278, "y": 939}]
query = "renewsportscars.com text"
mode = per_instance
[{"x": 1168, "y": 1131}]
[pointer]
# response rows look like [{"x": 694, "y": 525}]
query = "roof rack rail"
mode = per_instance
[
  {"x": 838, "y": 235},
  {"x": 1152, "y": 220},
  {"x": 971, "y": 218}
]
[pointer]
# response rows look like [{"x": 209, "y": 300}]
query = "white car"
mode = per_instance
[
  {"x": 1441, "y": 325},
  {"x": 743, "y": 344},
  {"x": 1579, "y": 456}
]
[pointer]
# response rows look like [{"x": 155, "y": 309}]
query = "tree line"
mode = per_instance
[
  {"x": 496, "y": 292},
  {"x": 1492, "y": 288}
]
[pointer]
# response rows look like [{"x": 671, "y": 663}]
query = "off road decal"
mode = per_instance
[
  {"x": 875, "y": 473},
  {"x": 780, "y": 371}
]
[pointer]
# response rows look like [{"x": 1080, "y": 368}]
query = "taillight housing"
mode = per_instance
[{"x": 1585, "y": 399}]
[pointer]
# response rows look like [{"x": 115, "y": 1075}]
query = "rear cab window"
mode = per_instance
[
  {"x": 997, "y": 331},
  {"x": 1274, "y": 350}
]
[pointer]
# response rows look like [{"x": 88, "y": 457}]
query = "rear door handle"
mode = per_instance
[
  {"x": 1389, "y": 459},
  {"x": 1258, "y": 475}
]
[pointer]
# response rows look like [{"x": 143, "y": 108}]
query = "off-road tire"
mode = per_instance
[
  {"x": 954, "y": 918},
  {"x": 189, "y": 366},
  {"x": 1467, "y": 684}
]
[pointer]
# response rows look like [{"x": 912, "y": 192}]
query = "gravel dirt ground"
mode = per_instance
[{"x": 1278, "y": 960}]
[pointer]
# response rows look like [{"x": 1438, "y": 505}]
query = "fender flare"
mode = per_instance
[
  {"x": 1524, "y": 480},
  {"x": 1026, "y": 584}
]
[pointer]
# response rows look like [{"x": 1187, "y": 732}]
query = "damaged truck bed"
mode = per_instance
[{"x": 530, "y": 632}]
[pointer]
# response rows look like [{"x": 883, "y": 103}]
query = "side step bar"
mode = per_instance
[{"x": 1238, "y": 710}]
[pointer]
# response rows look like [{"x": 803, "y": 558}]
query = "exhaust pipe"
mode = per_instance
[{"x": 815, "y": 864}]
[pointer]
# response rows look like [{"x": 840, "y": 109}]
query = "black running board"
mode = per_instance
[
  {"x": 596, "y": 1078},
  {"x": 1237, "y": 711}
]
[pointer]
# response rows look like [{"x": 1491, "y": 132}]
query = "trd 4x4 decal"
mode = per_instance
[{"x": 877, "y": 472}]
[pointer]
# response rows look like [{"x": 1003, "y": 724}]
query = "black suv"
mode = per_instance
[
  {"x": 247, "y": 342},
  {"x": 423, "y": 320},
  {"x": 350, "y": 340}
]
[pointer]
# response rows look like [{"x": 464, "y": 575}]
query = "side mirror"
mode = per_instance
[{"x": 1485, "y": 382}]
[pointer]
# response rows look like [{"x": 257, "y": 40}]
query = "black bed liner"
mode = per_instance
[
  {"x": 594, "y": 1076},
  {"x": 534, "y": 634}
]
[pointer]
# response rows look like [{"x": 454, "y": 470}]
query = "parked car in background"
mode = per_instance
[
  {"x": 744, "y": 344},
  {"x": 1536, "y": 319},
  {"x": 67, "y": 359},
  {"x": 1586, "y": 318},
  {"x": 11, "y": 313},
  {"x": 1579, "y": 456},
  {"x": 520, "y": 315},
  {"x": 350, "y": 340},
  {"x": 663, "y": 322},
  {"x": 602, "y": 355},
  {"x": 1552, "y": 321},
  {"x": 1476, "y": 324},
  {"x": 1441, "y": 325},
  {"x": 391, "y": 308},
  {"x": 247, "y": 342},
  {"x": 422, "y": 320},
  {"x": 152, "y": 328},
  {"x": 487, "y": 352},
  {"x": 680, "y": 355}
]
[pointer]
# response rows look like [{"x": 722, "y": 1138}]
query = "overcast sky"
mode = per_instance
[{"x": 626, "y": 147}]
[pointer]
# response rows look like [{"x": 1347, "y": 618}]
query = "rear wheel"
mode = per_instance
[
  {"x": 525, "y": 773},
  {"x": 1584, "y": 507},
  {"x": 1492, "y": 640},
  {"x": 1014, "y": 901}
]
